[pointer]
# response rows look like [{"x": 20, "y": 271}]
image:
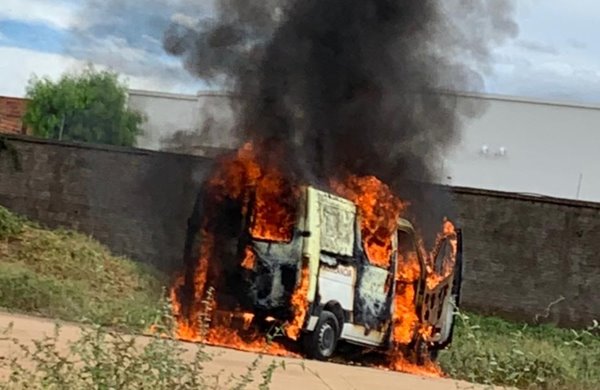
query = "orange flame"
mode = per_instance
[
  {"x": 264, "y": 190},
  {"x": 434, "y": 278},
  {"x": 244, "y": 179},
  {"x": 224, "y": 336},
  {"x": 405, "y": 316},
  {"x": 429, "y": 368},
  {"x": 274, "y": 212},
  {"x": 249, "y": 259},
  {"x": 299, "y": 305},
  {"x": 379, "y": 210},
  {"x": 189, "y": 326}
]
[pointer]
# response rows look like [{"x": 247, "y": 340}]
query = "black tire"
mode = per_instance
[
  {"x": 426, "y": 353},
  {"x": 421, "y": 352},
  {"x": 320, "y": 344}
]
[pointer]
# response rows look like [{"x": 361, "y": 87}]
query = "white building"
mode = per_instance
[
  {"x": 530, "y": 146},
  {"x": 197, "y": 124},
  {"x": 516, "y": 145}
]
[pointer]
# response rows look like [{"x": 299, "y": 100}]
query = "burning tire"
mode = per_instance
[{"x": 321, "y": 343}]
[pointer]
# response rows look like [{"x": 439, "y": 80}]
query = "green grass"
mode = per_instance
[
  {"x": 69, "y": 276},
  {"x": 492, "y": 351}
]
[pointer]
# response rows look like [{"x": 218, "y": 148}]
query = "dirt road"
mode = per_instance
[{"x": 329, "y": 376}]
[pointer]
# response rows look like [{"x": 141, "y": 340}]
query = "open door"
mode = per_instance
[
  {"x": 408, "y": 279},
  {"x": 448, "y": 294},
  {"x": 374, "y": 288}
]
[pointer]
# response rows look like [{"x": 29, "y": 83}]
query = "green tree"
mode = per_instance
[{"x": 89, "y": 107}]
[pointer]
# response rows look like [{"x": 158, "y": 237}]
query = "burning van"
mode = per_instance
[{"x": 324, "y": 267}]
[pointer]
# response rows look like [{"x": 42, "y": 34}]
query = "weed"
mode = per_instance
[
  {"x": 493, "y": 351},
  {"x": 10, "y": 224},
  {"x": 103, "y": 359}
]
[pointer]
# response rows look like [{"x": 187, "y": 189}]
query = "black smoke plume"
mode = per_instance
[{"x": 351, "y": 86}]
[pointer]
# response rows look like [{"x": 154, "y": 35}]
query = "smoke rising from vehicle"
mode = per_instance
[{"x": 350, "y": 86}]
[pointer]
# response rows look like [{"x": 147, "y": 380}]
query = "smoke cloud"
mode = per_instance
[{"x": 350, "y": 86}]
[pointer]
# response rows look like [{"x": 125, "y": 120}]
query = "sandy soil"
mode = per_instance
[{"x": 330, "y": 376}]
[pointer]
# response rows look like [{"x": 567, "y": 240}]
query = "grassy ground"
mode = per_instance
[
  {"x": 492, "y": 351},
  {"x": 66, "y": 275}
]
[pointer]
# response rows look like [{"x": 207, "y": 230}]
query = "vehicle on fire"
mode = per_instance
[{"x": 346, "y": 296}]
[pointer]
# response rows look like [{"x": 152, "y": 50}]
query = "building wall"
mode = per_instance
[
  {"x": 550, "y": 148},
  {"x": 521, "y": 252},
  {"x": 11, "y": 113},
  {"x": 555, "y": 143},
  {"x": 195, "y": 124}
]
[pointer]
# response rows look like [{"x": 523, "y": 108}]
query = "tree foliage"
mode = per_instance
[{"x": 89, "y": 107}]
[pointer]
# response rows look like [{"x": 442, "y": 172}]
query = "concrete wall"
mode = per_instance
[
  {"x": 521, "y": 252},
  {"x": 524, "y": 254},
  {"x": 135, "y": 201}
]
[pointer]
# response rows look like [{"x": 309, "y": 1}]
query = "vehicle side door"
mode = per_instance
[{"x": 374, "y": 290}]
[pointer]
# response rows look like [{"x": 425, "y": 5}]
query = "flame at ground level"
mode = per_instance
[
  {"x": 299, "y": 305},
  {"x": 429, "y": 368},
  {"x": 269, "y": 202}
]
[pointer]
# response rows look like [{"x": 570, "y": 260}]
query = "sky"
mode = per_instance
[{"x": 556, "y": 55}]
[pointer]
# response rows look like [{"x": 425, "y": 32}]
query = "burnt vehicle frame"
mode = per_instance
[{"x": 267, "y": 287}]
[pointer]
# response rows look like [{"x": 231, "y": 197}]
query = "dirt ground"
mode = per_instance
[{"x": 330, "y": 376}]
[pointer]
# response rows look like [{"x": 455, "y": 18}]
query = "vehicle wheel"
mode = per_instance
[
  {"x": 321, "y": 343},
  {"x": 421, "y": 352}
]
